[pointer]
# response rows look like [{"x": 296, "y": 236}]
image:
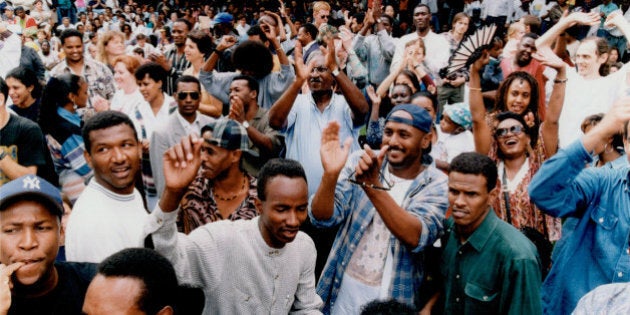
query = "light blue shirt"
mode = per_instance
[
  {"x": 303, "y": 133},
  {"x": 594, "y": 251}
]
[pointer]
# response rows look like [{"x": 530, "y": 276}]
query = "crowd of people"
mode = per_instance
[{"x": 263, "y": 157}]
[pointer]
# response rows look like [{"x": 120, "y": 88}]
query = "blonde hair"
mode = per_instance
[
  {"x": 514, "y": 28},
  {"x": 101, "y": 54},
  {"x": 319, "y": 6}
]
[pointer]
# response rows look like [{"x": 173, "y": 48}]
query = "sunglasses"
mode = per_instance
[
  {"x": 324, "y": 16},
  {"x": 183, "y": 95},
  {"x": 387, "y": 187},
  {"x": 515, "y": 130}
]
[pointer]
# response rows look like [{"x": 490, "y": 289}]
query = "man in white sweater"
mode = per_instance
[
  {"x": 110, "y": 213},
  {"x": 259, "y": 266}
]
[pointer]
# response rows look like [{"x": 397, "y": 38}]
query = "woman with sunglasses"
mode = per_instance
[
  {"x": 513, "y": 137},
  {"x": 61, "y": 124}
]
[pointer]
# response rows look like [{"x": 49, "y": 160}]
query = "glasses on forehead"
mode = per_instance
[
  {"x": 183, "y": 95},
  {"x": 320, "y": 69},
  {"x": 515, "y": 130}
]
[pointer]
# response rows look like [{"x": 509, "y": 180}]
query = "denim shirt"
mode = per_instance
[
  {"x": 426, "y": 199},
  {"x": 596, "y": 203}
]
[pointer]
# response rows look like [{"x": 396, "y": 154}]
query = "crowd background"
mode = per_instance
[{"x": 273, "y": 74}]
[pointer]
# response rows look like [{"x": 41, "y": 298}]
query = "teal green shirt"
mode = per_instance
[{"x": 496, "y": 271}]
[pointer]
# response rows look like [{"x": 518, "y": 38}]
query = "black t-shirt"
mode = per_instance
[
  {"x": 31, "y": 112},
  {"x": 24, "y": 142},
  {"x": 65, "y": 299}
]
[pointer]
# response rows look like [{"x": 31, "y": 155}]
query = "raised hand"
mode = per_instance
[
  {"x": 302, "y": 71},
  {"x": 582, "y": 18},
  {"x": 346, "y": 36},
  {"x": 481, "y": 62},
  {"x": 181, "y": 163},
  {"x": 329, "y": 52},
  {"x": 615, "y": 19},
  {"x": 374, "y": 97},
  {"x": 368, "y": 169},
  {"x": 237, "y": 109},
  {"x": 333, "y": 155},
  {"x": 226, "y": 42},
  {"x": 548, "y": 58}
]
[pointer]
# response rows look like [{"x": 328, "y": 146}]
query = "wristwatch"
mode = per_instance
[
  {"x": 246, "y": 124},
  {"x": 3, "y": 153},
  {"x": 335, "y": 72}
]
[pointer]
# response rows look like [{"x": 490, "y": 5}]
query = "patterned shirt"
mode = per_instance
[
  {"x": 523, "y": 211},
  {"x": 426, "y": 199},
  {"x": 98, "y": 76},
  {"x": 198, "y": 206}
]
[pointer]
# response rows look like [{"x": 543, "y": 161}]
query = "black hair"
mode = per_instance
[
  {"x": 4, "y": 89},
  {"x": 156, "y": 273},
  {"x": 188, "y": 79},
  {"x": 533, "y": 36},
  {"x": 27, "y": 77},
  {"x": 278, "y": 167},
  {"x": 311, "y": 29},
  {"x": 501, "y": 106},
  {"x": 70, "y": 33},
  {"x": 474, "y": 163},
  {"x": 153, "y": 70},
  {"x": 593, "y": 120},
  {"x": 412, "y": 77},
  {"x": 430, "y": 96},
  {"x": 422, "y": 5},
  {"x": 56, "y": 94},
  {"x": 388, "y": 307},
  {"x": 251, "y": 82},
  {"x": 203, "y": 42},
  {"x": 252, "y": 56},
  {"x": 104, "y": 120},
  {"x": 256, "y": 30},
  {"x": 188, "y": 24},
  {"x": 389, "y": 19}
]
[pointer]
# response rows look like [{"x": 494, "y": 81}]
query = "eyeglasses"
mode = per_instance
[
  {"x": 183, "y": 95},
  {"x": 515, "y": 130},
  {"x": 320, "y": 69},
  {"x": 386, "y": 187},
  {"x": 324, "y": 16}
]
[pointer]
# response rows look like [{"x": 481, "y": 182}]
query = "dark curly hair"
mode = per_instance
[{"x": 253, "y": 58}]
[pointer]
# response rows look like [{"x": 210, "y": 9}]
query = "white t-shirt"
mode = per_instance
[
  {"x": 369, "y": 271},
  {"x": 584, "y": 98},
  {"x": 102, "y": 223}
]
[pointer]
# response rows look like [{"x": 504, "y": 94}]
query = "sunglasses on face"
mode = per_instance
[
  {"x": 324, "y": 16},
  {"x": 183, "y": 95},
  {"x": 515, "y": 130}
]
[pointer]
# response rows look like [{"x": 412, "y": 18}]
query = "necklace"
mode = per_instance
[{"x": 217, "y": 196}]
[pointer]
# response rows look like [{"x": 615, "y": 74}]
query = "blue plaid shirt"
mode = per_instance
[{"x": 426, "y": 198}]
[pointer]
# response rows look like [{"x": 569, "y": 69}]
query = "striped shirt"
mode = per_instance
[{"x": 179, "y": 64}]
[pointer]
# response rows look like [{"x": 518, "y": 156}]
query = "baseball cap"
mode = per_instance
[
  {"x": 459, "y": 114},
  {"x": 34, "y": 187},
  {"x": 420, "y": 118},
  {"x": 223, "y": 17},
  {"x": 228, "y": 134}
]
